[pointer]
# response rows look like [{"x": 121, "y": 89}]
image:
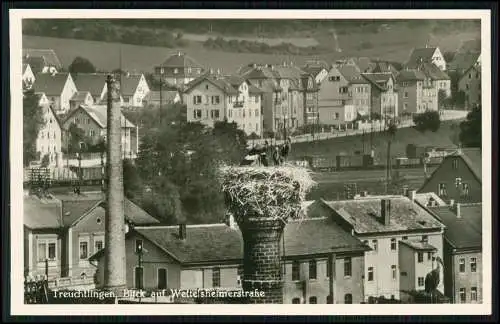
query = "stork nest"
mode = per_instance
[{"x": 267, "y": 192}]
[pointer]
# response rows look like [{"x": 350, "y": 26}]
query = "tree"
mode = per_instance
[
  {"x": 470, "y": 129},
  {"x": 448, "y": 56},
  {"x": 428, "y": 120},
  {"x": 76, "y": 136},
  {"x": 45, "y": 160},
  {"x": 442, "y": 99},
  {"x": 32, "y": 123},
  {"x": 81, "y": 65}
]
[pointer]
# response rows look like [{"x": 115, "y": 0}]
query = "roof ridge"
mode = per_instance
[{"x": 177, "y": 226}]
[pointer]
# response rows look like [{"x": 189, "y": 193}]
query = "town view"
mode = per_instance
[{"x": 211, "y": 161}]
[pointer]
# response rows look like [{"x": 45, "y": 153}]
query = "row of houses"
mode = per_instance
[{"x": 378, "y": 245}]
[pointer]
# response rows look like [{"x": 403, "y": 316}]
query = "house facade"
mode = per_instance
[
  {"x": 93, "y": 120},
  {"x": 63, "y": 231},
  {"x": 134, "y": 89},
  {"x": 381, "y": 224},
  {"x": 458, "y": 177},
  {"x": 463, "y": 252},
  {"x": 81, "y": 98},
  {"x": 179, "y": 69},
  {"x": 384, "y": 97},
  {"x": 49, "y": 139},
  {"x": 59, "y": 89},
  {"x": 212, "y": 98},
  {"x": 470, "y": 84}
]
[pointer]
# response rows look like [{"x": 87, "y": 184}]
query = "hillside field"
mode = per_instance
[{"x": 330, "y": 148}]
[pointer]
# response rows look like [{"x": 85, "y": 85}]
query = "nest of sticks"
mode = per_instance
[{"x": 267, "y": 192}]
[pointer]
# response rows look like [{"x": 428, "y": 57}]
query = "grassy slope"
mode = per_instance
[
  {"x": 394, "y": 44},
  {"x": 347, "y": 145}
]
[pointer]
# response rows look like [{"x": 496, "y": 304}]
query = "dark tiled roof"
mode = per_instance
[
  {"x": 42, "y": 213},
  {"x": 254, "y": 89},
  {"x": 91, "y": 82},
  {"x": 137, "y": 215},
  {"x": 351, "y": 74},
  {"x": 378, "y": 79},
  {"x": 464, "y": 232},
  {"x": 36, "y": 63},
  {"x": 166, "y": 95},
  {"x": 48, "y": 55},
  {"x": 317, "y": 64},
  {"x": 433, "y": 71},
  {"x": 99, "y": 114},
  {"x": 472, "y": 157},
  {"x": 365, "y": 215},
  {"x": 463, "y": 61},
  {"x": 203, "y": 243},
  {"x": 80, "y": 96},
  {"x": 129, "y": 84},
  {"x": 314, "y": 70},
  {"x": 74, "y": 209},
  {"x": 420, "y": 55},
  {"x": 51, "y": 85},
  {"x": 221, "y": 82},
  {"x": 181, "y": 61},
  {"x": 410, "y": 75},
  {"x": 419, "y": 245}
]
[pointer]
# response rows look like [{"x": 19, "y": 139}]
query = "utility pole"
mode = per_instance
[{"x": 162, "y": 71}]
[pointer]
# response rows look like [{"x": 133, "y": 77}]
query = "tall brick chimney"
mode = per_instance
[
  {"x": 261, "y": 258},
  {"x": 386, "y": 211},
  {"x": 114, "y": 260}
]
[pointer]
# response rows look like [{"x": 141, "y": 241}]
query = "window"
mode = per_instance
[
  {"x": 347, "y": 267},
  {"x": 84, "y": 250},
  {"x": 230, "y": 113},
  {"x": 313, "y": 300},
  {"x": 196, "y": 100},
  {"x": 328, "y": 268},
  {"x": 473, "y": 264},
  {"x": 429, "y": 256},
  {"x": 473, "y": 293},
  {"x": 216, "y": 277},
  {"x": 348, "y": 299},
  {"x": 370, "y": 273},
  {"x": 462, "y": 295},
  {"x": 162, "y": 278},
  {"x": 425, "y": 238},
  {"x": 98, "y": 245},
  {"x": 394, "y": 272},
  {"x": 256, "y": 112},
  {"x": 420, "y": 257},
  {"x": 176, "y": 71},
  {"x": 467, "y": 86},
  {"x": 420, "y": 281},
  {"x": 405, "y": 238},
  {"x": 458, "y": 182},
  {"x": 215, "y": 114},
  {"x": 197, "y": 114},
  {"x": 393, "y": 244},
  {"x": 470, "y": 75},
  {"x": 405, "y": 106},
  {"x": 375, "y": 245},
  {"x": 455, "y": 164},
  {"x": 296, "y": 301},
  {"x": 442, "y": 189},
  {"x": 92, "y": 132},
  {"x": 138, "y": 245},
  {"x": 312, "y": 269},
  {"x": 295, "y": 271},
  {"x": 337, "y": 116},
  {"x": 215, "y": 100},
  {"x": 405, "y": 94},
  {"x": 461, "y": 265},
  {"x": 239, "y": 275},
  {"x": 465, "y": 189}
]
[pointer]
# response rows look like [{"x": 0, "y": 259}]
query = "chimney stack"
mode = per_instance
[
  {"x": 457, "y": 210},
  {"x": 405, "y": 191},
  {"x": 412, "y": 194},
  {"x": 182, "y": 231},
  {"x": 114, "y": 259},
  {"x": 386, "y": 211}
]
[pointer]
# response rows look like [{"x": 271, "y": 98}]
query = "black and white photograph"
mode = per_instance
[{"x": 264, "y": 157}]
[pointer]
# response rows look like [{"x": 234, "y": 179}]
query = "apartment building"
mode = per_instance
[
  {"x": 382, "y": 223},
  {"x": 179, "y": 69},
  {"x": 384, "y": 97},
  {"x": 49, "y": 139},
  {"x": 213, "y": 98},
  {"x": 426, "y": 54}
]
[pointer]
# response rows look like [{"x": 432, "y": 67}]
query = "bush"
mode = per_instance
[
  {"x": 428, "y": 120},
  {"x": 45, "y": 160}
]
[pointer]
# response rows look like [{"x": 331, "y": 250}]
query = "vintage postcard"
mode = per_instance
[{"x": 174, "y": 158}]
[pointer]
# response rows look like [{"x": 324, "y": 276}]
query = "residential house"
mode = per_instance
[
  {"x": 426, "y": 55},
  {"x": 470, "y": 85},
  {"x": 441, "y": 79},
  {"x": 463, "y": 270},
  {"x": 411, "y": 94},
  {"x": 80, "y": 98},
  {"x": 133, "y": 90},
  {"x": 28, "y": 75},
  {"x": 62, "y": 231},
  {"x": 59, "y": 88},
  {"x": 318, "y": 69},
  {"x": 179, "y": 69},
  {"x": 458, "y": 177},
  {"x": 383, "y": 96},
  {"x": 384, "y": 67},
  {"x": 93, "y": 120},
  {"x": 382, "y": 224},
  {"x": 95, "y": 83},
  {"x": 42, "y": 60},
  {"x": 211, "y": 256},
  {"x": 212, "y": 97},
  {"x": 165, "y": 97},
  {"x": 49, "y": 139}
]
